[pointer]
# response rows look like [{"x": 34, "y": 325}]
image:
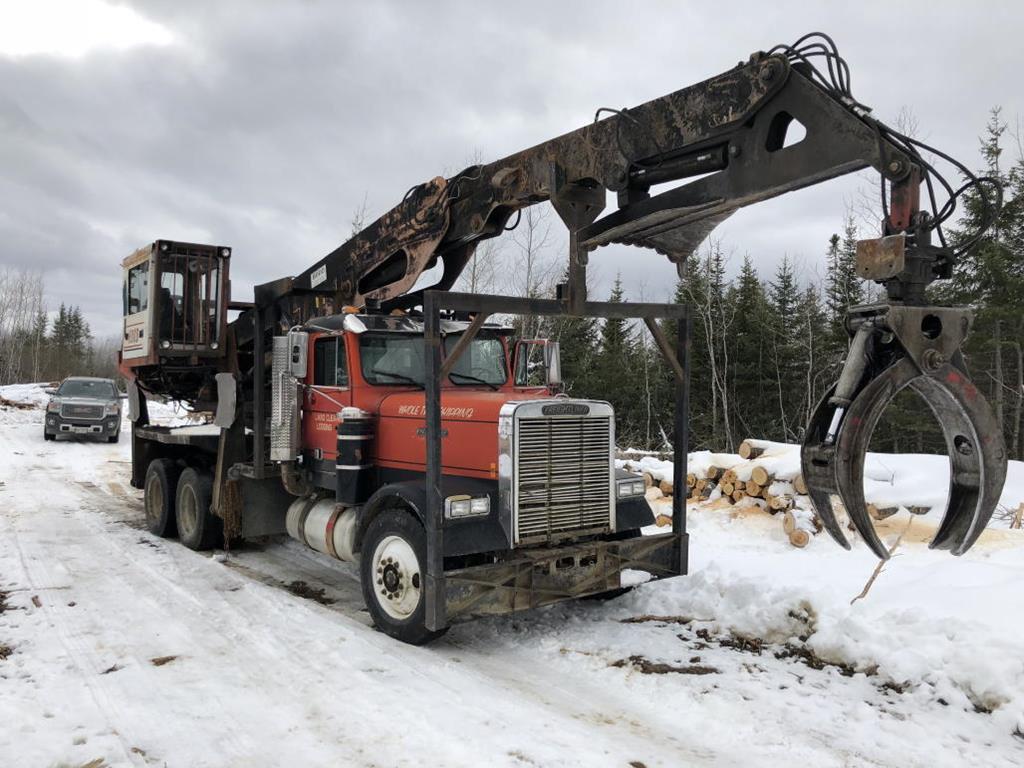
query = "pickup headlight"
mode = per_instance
[
  {"x": 53, "y": 406},
  {"x": 456, "y": 507},
  {"x": 630, "y": 488},
  {"x": 112, "y": 409}
]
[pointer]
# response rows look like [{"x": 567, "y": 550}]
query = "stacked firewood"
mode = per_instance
[
  {"x": 761, "y": 479},
  {"x": 764, "y": 476}
]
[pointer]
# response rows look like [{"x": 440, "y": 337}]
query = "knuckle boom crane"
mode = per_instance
[{"x": 397, "y": 427}]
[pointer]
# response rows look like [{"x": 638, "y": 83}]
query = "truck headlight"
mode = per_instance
[
  {"x": 630, "y": 488},
  {"x": 466, "y": 506},
  {"x": 112, "y": 409},
  {"x": 53, "y": 406}
]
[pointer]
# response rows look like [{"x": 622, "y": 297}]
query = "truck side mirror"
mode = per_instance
[
  {"x": 298, "y": 348},
  {"x": 553, "y": 363},
  {"x": 530, "y": 355}
]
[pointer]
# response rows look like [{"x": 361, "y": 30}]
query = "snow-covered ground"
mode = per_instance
[{"x": 124, "y": 649}]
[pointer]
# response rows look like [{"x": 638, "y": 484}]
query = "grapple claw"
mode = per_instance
[{"x": 895, "y": 348}]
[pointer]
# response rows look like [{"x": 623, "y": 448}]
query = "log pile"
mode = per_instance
[{"x": 763, "y": 478}]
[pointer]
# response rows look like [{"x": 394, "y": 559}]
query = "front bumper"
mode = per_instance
[
  {"x": 542, "y": 577},
  {"x": 55, "y": 424}
]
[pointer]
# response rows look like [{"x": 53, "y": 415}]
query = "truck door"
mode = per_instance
[
  {"x": 328, "y": 392},
  {"x": 136, "y": 341}
]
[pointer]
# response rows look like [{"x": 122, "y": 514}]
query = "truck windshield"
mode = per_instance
[
  {"x": 103, "y": 390},
  {"x": 482, "y": 363},
  {"x": 398, "y": 359}
]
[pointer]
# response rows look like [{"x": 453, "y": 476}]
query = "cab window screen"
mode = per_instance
[
  {"x": 329, "y": 366},
  {"x": 138, "y": 288}
]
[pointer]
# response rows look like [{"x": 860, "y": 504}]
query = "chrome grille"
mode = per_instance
[
  {"x": 563, "y": 476},
  {"x": 79, "y": 411}
]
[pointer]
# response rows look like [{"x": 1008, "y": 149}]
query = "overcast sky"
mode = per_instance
[{"x": 265, "y": 125}]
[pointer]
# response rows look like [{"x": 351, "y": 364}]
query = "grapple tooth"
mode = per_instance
[
  {"x": 976, "y": 451},
  {"x": 853, "y": 441},
  {"x": 817, "y": 464},
  {"x": 822, "y": 502}
]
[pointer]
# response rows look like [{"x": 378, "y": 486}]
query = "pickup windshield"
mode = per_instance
[
  {"x": 398, "y": 359},
  {"x": 101, "y": 390}
]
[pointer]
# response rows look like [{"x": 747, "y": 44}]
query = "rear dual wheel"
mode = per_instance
[
  {"x": 198, "y": 527},
  {"x": 159, "y": 491},
  {"x": 177, "y": 503}
]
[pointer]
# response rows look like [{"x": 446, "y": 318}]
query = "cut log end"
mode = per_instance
[
  {"x": 788, "y": 523},
  {"x": 749, "y": 450},
  {"x": 760, "y": 476},
  {"x": 800, "y": 485},
  {"x": 799, "y": 538}
]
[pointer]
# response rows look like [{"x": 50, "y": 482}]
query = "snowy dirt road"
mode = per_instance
[{"x": 120, "y": 647}]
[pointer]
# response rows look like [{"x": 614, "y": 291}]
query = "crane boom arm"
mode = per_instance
[{"x": 730, "y": 130}]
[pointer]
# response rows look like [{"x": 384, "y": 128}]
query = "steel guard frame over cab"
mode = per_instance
[{"x": 537, "y": 577}]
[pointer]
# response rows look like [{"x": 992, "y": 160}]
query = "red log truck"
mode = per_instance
[{"x": 401, "y": 428}]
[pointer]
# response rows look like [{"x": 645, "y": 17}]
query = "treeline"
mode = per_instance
[
  {"x": 765, "y": 348},
  {"x": 37, "y": 347}
]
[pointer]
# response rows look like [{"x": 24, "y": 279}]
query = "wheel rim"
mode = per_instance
[
  {"x": 154, "y": 501},
  {"x": 188, "y": 511},
  {"x": 397, "y": 583}
]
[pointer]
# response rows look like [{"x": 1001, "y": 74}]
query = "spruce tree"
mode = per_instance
[
  {"x": 812, "y": 342},
  {"x": 615, "y": 376},
  {"x": 783, "y": 338},
  {"x": 747, "y": 355}
]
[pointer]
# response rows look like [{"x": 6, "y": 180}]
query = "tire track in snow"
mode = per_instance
[{"x": 549, "y": 702}]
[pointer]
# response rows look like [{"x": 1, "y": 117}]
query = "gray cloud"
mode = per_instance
[{"x": 265, "y": 125}]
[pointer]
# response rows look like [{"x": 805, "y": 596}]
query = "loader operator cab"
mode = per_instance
[{"x": 175, "y": 301}]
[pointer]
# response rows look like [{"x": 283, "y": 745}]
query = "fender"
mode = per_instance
[{"x": 409, "y": 494}]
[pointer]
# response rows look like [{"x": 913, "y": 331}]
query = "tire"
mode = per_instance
[
  {"x": 48, "y": 436},
  {"x": 394, "y": 554},
  {"x": 159, "y": 489},
  {"x": 198, "y": 527},
  {"x": 114, "y": 438}
]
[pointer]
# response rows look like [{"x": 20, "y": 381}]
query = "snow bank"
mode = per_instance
[{"x": 939, "y": 651}]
